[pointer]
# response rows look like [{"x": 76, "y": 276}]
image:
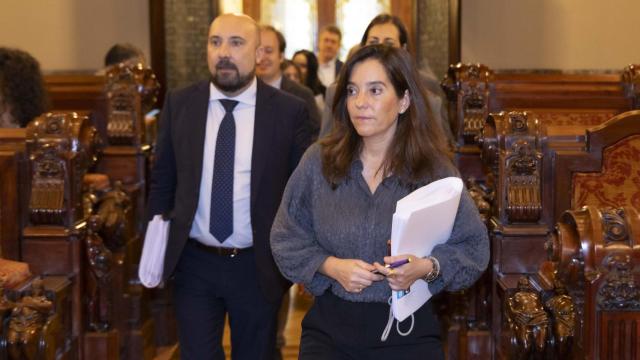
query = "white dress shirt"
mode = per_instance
[
  {"x": 277, "y": 83},
  {"x": 327, "y": 72},
  {"x": 244, "y": 114}
]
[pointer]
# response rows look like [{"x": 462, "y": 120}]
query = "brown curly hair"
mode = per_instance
[
  {"x": 22, "y": 85},
  {"x": 417, "y": 154}
]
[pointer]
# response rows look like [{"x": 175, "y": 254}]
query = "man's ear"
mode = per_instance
[{"x": 405, "y": 102}]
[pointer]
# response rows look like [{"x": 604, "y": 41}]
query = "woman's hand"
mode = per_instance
[
  {"x": 402, "y": 277},
  {"x": 354, "y": 275}
]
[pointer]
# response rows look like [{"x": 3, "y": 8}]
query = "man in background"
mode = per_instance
[
  {"x": 328, "y": 48},
  {"x": 269, "y": 70},
  {"x": 125, "y": 53}
]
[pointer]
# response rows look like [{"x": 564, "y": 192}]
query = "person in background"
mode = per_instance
[
  {"x": 268, "y": 70},
  {"x": 291, "y": 71},
  {"x": 226, "y": 148},
  {"x": 332, "y": 227},
  {"x": 308, "y": 64},
  {"x": 22, "y": 93},
  {"x": 389, "y": 30},
  {"x": 328, "y": 49},
  {"x": 125, "y": 53}
]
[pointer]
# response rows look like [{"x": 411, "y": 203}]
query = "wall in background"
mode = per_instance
[
  {"x": 551, "y": 34},
  {"x": 73, "y": 34}
]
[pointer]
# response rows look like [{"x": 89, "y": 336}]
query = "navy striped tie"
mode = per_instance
[{"x": 221, "y": 220}]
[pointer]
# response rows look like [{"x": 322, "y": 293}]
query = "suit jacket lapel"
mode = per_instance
[
  {"x": 197, "y": 117},
  {"x": 263, "y": 134}
]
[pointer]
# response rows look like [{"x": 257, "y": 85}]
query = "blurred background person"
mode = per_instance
[
  {"x": 22, "y": 93},
  {"x": 328, "y": 49},
  {"x": 291, "y": 71},
  {"x": 268, "y": 70},
  {"x": 125, "y": 53},
  {"x": 308, "y": 64}
]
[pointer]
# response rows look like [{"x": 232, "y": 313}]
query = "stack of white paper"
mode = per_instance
[
  {"x": 423, "y": 219},
  {"x": 155, "y": 245}
]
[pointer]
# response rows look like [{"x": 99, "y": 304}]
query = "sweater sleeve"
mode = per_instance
[
  {"x": 464, "y": 257},
  {"x": 293, "y": 237}
]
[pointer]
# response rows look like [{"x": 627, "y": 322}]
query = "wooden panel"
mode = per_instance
[
  {"x": 531, "y": 91},
  {"x": 9, "y": 209},
  {"x": 158, "y": 46},
  {"x": 326, "y": 14},
  {"x": 252, "y": 8},
  {"x": 455, "y": 35},
  {"x": 620, "y": 334},
  {"x": 405, "y": 10}
]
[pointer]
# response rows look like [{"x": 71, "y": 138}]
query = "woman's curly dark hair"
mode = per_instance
[{"x": 22, "y": 85}]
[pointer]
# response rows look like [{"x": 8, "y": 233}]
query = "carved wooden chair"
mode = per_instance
[{"x": 594, "y": 251}]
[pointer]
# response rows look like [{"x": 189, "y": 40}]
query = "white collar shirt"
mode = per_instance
[
  {"x": 277, "y": 83},
  {"x": 327, "y": 72},
  {"x": 244, "y": 114}
]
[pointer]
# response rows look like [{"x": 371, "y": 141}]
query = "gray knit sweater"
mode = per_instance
[{"x": 349, "y": 222}]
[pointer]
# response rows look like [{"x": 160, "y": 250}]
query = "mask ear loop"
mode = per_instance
[{"x": 387, "y": 329}]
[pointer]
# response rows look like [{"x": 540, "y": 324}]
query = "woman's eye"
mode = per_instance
[
  {"x": 351, "y": 91},
  {"x": 376, "y": 91}
]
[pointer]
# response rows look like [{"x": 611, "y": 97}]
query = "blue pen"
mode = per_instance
[
  {"x": 394, "y": 265},
  {"x": 398, "y": 263}
]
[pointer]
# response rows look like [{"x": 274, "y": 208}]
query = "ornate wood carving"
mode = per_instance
[
  {"x": 528, "y": 322},
  {"x": 614, "y": 226},
  {"x": 561, "y": 309},
  {"x": 99, "y": 295},
  {"x": 620, "y": 290},
  {"x": 512, "y": 154},
  {"x": 592, "y": 255},
  {"x": 32, "y": 327},
  {"x": 467, "y": 87},
  {"x": 482, "y": 197},
  {"x": 631, "y": 82},
  {"x": 61, "y": 147},
  {"x": 131, "y": 93}
]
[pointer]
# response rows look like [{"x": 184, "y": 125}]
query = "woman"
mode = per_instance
[
  {"x": 308, "y": 64},
  {"x": 334, "y": 221},
  {"x": 291, "y": 71},
  {"x": 22, "y": 92}
]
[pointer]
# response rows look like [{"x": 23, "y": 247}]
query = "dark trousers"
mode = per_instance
[
  {"x": 208, "y": 287},
  {"x": 336, "y": 329}
]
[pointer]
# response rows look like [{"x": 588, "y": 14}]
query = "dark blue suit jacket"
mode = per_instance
[{"x": 280, "y": 138}]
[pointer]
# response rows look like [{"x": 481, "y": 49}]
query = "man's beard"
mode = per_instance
[{"x": 231, "y": 82}]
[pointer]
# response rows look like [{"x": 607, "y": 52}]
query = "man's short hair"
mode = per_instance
[
  {"x": 332, "y": 29},
  {"x": 282, "y": 42},
  {"x": 121, "y": 52}
]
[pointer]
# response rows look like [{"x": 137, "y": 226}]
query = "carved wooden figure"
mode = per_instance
[
  {"x": 61, "y": 148},
  {"x": 528, "y": 322},
  {"x": 99, "y": 297},
  {"x": 113, "y": 209},
  {"x": 131, "y": 93},
  {"x": 26, "y": 323}
]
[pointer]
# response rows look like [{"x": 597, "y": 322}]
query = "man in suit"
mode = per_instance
[
  {"x": 268, "y": 70},
  {"x": 225, "y": 151},
  {"x": 328, "y": 48},
  {"x": 388, "y": 29}
]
